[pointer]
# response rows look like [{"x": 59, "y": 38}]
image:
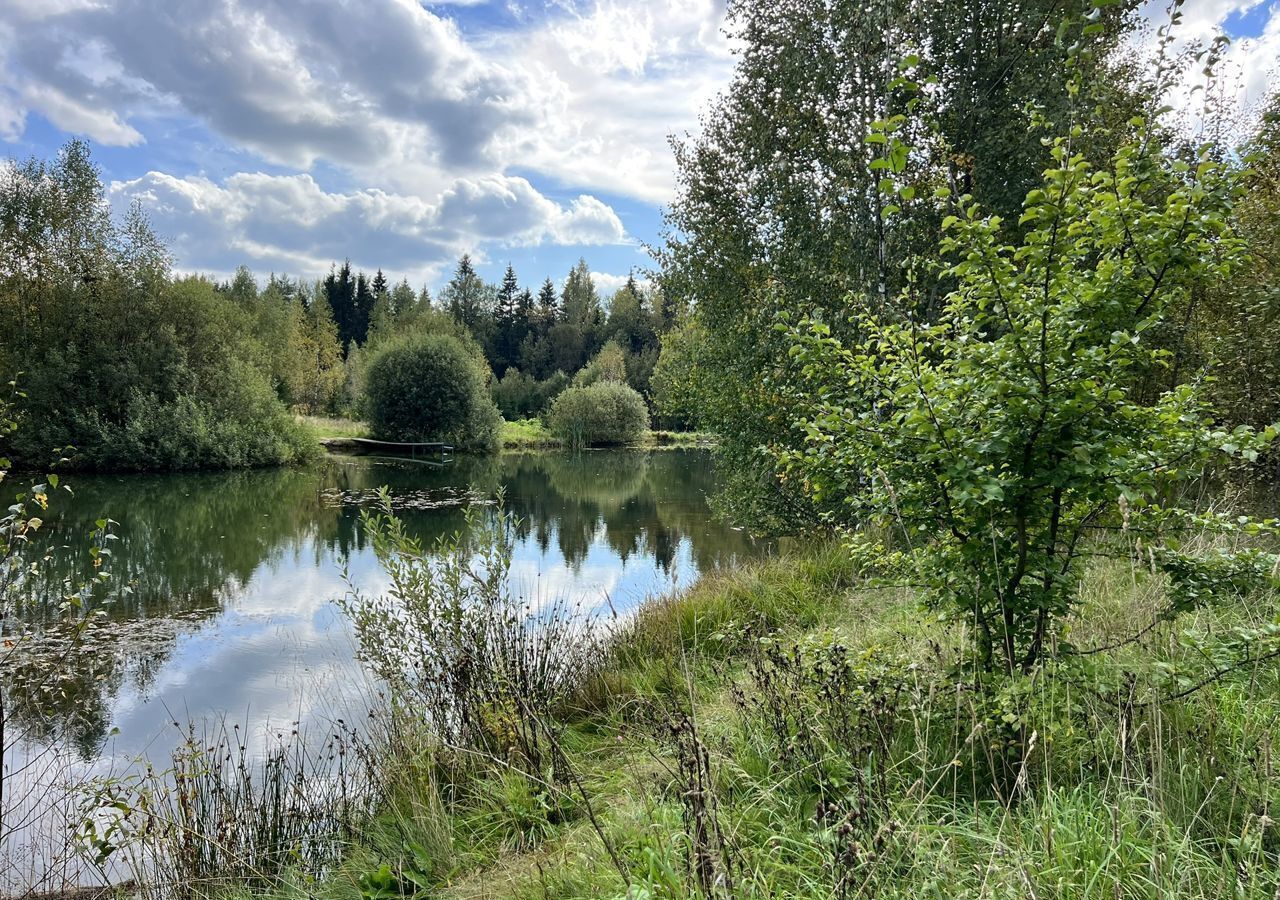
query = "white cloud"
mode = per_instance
[
  {"x": 392, "y": 92},
  {"x": 607, "y": 283},
  {"x": 614, "y": 84},
  {"x": 1244, "y": 77},
  {"x": 74, "y": 116},
  {"x": 290, "y": 223}
]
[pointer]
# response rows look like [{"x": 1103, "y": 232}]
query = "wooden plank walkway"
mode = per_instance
[{"x": 422, "y": 450}]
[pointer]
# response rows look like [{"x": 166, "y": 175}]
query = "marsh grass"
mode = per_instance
[{"x": 227, "y": 814}]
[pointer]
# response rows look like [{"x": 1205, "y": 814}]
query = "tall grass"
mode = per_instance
[
  {"x": 227, "y": 815},
  {"x": 780, "y": 730}
]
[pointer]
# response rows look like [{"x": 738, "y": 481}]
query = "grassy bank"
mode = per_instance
[
  {"x": 788, "y": 730},
  {"x": 523, "y": 434},
  {"x": 325, "y": 427},
  {"x": 531, "y": 434}
]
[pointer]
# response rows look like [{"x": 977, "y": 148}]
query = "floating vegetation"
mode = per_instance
[{"x": 435, "y": 498}]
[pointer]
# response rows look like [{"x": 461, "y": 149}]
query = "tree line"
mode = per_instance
[
  {"x": 121, "y": 363},
  {"x": 533, "y": 344}
]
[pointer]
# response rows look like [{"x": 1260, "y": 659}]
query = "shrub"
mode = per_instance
[
  {"x": 516, "y": 395},
  {"x": 610, "y": 364},
  {"x": 675, "y": 378},
  {"x": 1007, "y": 442},
  {"x": 550, "y": 388},
  {"x": 238, "y": 423},
  {"x": 521, "y": 396},
  {"x": 144, "y": 370},
  {"x": 429, "y": 387},
  {"x": 602, "y": 413}
]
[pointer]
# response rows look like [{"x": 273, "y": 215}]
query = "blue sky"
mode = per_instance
[{"x": 287, "y": 134}]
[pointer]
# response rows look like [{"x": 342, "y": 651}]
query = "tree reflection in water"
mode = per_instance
[{"x": 230, "y": 565}]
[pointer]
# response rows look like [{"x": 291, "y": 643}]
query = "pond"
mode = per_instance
[{"x": 231, "y": 581}]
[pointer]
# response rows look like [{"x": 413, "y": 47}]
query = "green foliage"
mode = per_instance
[
  {"x": 677, "y": 377},
  {"x": 1000, "y": 440},
  {"x": 579, "y": 301},
  {"x": 1235, "y": 325},
  {"x": 414, "y": 875},
  {"x": 606, "y": 412},
  {"x": 516, "y": 395},
  {"x": 430, "y": 387},
  {"x": 131, "y": 367},
  {"x": 610, "y": 364},
  {"x": 520, "y": 396},
  {"x": 779, "y": 207},
  {"x": 240, "y": 424},
  {"x": 468, "y": 299}
]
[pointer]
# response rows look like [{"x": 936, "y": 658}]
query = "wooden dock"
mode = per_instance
[{"x": 427, "y": 451}]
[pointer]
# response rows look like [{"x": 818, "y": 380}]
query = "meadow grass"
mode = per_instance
[
  {"x": 532, "y": 434},
  {"x": 526, "y": 434},
  {"x": 521, "y": 434},
  {"x": 325, "y": 427}
]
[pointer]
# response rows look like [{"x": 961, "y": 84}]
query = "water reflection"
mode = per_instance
[{"x": 230, "y": 577}]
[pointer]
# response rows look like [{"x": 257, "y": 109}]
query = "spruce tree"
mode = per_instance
[
  {"x": 524, "y": 311},
  {"x": 581, "y": 302},
  {"x": 340, "y": 291},
  {"x": 508, "y": 293},
  {"x": 548, "y": 308},
  {"x": 506, "y": 336},
  {"x": 464, "y": 294},
  {"x": 363, "y": 309},
  {"x": 403, "y": 299}
]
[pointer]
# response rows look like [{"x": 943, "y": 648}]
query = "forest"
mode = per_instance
[{"x": 980, "y": 304}]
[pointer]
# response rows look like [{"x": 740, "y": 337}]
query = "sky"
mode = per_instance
[{"x": 286, "y": 135}]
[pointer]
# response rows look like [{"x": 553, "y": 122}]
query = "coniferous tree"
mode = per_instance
[
  {"x": 243, "y": 288},
  {"x": 319, "y": 391},
  {"x": 548, "y": 309},
  {"x": 581, "y": 301},
  {"x": 632, "y": 328},
  {"x": 577, "y": 337},
  {"x": 402, "y": 299},
  {"x": 340, "y": 292},
  {"x": 524, "y": 312},
  {"x": 382, "y": 319},
  {"x": 507, "y": 335},
  {"x": 628, "y": 323},
  {"x": 463, "y": 296},
  {"x": 363, "y": 309}
]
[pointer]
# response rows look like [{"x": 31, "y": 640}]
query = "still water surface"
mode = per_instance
[{"x": 232, "y": 580}]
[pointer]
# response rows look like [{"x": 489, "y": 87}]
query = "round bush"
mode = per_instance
[
  {"x": 429, "y": 387},
  {"x": 602, "y": 413}
]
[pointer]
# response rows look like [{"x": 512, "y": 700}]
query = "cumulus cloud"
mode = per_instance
[
  {"x": 290, "y": 223},
  {"x": 615, "y": 82},
  {"x": 405, "y": 131},
  {"x": 607, "y": 283},
  {"x": 391, "y": 90},
  {"x": 1246, "y": 74},
  {"x": 13, "y": 117},
  {"x": 77, "y": 117},
  {"x": 388, "y": 82},
  {"x": 392, "y": 134}
]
